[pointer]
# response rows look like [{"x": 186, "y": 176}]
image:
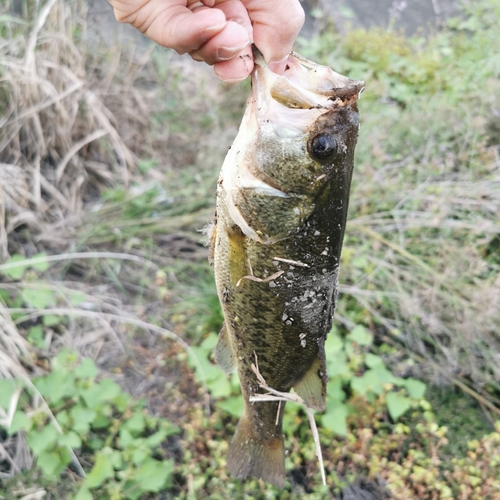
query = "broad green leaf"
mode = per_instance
[
  {"x": 42, "y": 440},
  {"x": 360, "y": 335},
  {"x": 40, "y": 298},
  {"x": 372, "y": 360},
  {"x": 56, "y": 386},
  {"x": 156, "y": 439},
  {"x": 135, "y": 424},
  {"x": 335, "y": 419},
  {"x": 335, "y": 393},
  {"x": 86, "y": 369},
  {"x": 140, "y": 454},
  {"x": 7, "y": 389},
  {"x": 20, "y": 421},
  {"x": 102, "y": 470},
  {"x": 397, "y": 404},
  {"x": 13, "y": 270},
  {"x": 108, "y": 390},
  {"x": 82, "y": 417},
  {"x": 126, "y": 438},
  {"x": 63, "y": 418},
  {"x": 337, "y": 365},
  {"x": 51, "y": 320},
  {"x": 220, "y": 388},
  {"x": 233, "y": 406},
  {"x": 84, "y": 494},
  {"x": 333, "y": 344},
  {"x": 39, "y": 262},
  {"x": 416, "y": 389},
  {"x": 209, "y": 342},
  {"x": 51, "y": 464},
  {"x": 36, "y": 337},
  {"x": 154, "y": 476},
  {"x": 71, "y": 439}
]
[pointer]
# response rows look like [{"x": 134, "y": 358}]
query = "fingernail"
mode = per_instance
[{"x": 226, "y": 53}]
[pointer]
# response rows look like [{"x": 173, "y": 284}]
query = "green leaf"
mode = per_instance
[
  {"x": 397, "y": 404},
  {"x": 40, "y": 298},
  {"x": 84, "y": 494},
  {"x": 86, "y": 369},
  {"x": 335, "y": 419},
  {"x": 372, "y": 360},
  {"x": 135, "y": 424},
  {"x": 63, "y": 418},
  {"x": 416, "y": 389},
  {"x": 42, "y": 265},
  {"x": 12, "y": 270},
  {"x": 20, "y": 421},
  {"x": 126, "y": 438},
  {"x": 82, "y": 417},
  {"x": 156, "y": 439},
  {"x": 335, "y": 393},
  {"x": 51, "y": 320},
  {"x": 42, "y": 440},
  {"x": 140, "y": 454},
  {"x": 7, "y": 389},
  {"x": 71, "y": 439},
  {"x": 154, "y": 476},
  {"x": 56, "y": 386},
  {"x": 108, "y": 390},
  {"x": 360, "y": 335},
  {"x": 233, "y": 406},
  {"x": 36, "y": 337},
  {"x": 102, "y": 470},
  {"x": 51, "y": 464}
]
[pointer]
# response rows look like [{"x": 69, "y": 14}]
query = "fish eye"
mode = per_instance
[{"x": 323, "y": 145}]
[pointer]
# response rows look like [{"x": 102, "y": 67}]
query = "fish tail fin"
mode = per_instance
[{"x": 254, "y": 455}]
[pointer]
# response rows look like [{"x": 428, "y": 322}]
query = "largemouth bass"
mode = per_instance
[{"x": 282, "y": 201}]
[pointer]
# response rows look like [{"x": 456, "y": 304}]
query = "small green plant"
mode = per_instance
[{"x": 110, "y": 429}]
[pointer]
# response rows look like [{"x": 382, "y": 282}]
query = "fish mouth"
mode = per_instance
[{"x": 303, "y": 85}]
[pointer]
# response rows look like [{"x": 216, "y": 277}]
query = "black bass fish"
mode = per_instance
[{"x": 281, "y": 210}]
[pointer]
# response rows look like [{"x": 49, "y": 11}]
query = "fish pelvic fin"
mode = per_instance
[
  {"x": 312, "y": 387},
  {"x": 223, "y": 353},
  {"x": 251, "y": 454}
]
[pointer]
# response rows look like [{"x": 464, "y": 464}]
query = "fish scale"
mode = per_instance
[{"x": 282, "y": 203}]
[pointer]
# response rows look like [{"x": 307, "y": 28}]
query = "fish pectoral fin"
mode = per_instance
[
  {"x": 238, "y": 266},
  {"x": 312, "y": 387},
  {"x": 223, "y": 354}
]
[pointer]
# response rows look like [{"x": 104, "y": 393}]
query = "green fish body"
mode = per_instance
[{"x": 282, "y": 202}]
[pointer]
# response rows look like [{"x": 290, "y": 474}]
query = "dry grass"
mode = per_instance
[{"x": 60, "y": 142}]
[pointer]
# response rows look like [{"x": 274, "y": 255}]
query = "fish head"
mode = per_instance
[{"x": 297, "y": 136}]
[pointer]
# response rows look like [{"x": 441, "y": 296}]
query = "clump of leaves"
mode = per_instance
[{"x": 109, "y": 428}]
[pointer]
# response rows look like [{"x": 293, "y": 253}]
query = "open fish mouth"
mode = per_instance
[{"x": 282, "y": 109}]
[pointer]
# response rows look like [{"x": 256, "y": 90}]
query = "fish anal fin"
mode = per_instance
[
  {"x": 312, "y": 387},
  {"x": 253, "y": 455},
  {"x": 223, "y": 353}
]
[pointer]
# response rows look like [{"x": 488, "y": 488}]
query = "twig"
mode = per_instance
[{"x": 274, "y": 395}]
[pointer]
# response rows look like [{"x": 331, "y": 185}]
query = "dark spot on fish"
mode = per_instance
[{"x": 287, "y": 67}]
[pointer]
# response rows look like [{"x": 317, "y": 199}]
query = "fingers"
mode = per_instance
[
  {"x": 276, "y": 24},
  {"x": 171, "y": 23},
  {"x": 237, "y": 69}
]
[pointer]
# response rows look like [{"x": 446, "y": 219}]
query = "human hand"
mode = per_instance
[{"x": 218, "y": 32}]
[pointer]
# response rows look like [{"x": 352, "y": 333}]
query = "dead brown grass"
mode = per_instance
[{"x": 59, "y": 141}]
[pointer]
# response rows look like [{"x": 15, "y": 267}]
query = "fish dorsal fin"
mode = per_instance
[
  {"x": 312, "y": 387},
  {"x": 223, "y": 354}
]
